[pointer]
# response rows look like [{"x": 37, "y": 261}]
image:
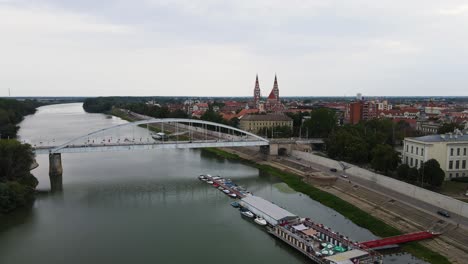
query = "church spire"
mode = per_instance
[
  {"x": 257, "y": 91},
  {"x": 275, "y": 88}
]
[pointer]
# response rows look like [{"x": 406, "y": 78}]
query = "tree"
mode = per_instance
[
  {"x": 321, "y": 123},
  {"x": 413, "y": 175},
  {"x": 384, "y": 158},
  {"x": 346, "y": 144},
  {"x": 212, "y": 116},
  {"x": 448, "y": 128},
  {"x": 17, "y": 184},
  {"x": 431, "y": 173},
  {"x": 402, "y": 172}
]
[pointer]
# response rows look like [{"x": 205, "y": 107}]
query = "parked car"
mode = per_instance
[
  {"x": 333, "y": 169},
  {"x": 443, "y": 213},
  {"x": 344, "y": 176}
]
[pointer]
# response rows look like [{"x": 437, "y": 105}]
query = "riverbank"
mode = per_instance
[{"x": 353, "y": 213}]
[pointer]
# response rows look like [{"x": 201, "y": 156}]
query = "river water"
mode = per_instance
[{"x": 147, "y": 206}]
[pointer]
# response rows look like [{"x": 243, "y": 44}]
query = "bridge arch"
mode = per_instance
[{"x": 157, "y": 121}]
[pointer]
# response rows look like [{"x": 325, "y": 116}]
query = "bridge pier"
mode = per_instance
[{"x": 55, "y": 172}]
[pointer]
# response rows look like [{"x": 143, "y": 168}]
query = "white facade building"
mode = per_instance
[{"x": 450, "y": 150}]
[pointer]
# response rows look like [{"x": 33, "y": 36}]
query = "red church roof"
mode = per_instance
[{"x": 272, "y": 95}]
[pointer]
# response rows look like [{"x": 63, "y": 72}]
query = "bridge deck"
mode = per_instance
[{"x": 148, "y": 146}]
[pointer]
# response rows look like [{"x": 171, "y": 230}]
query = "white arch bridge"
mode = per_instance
[{"x": 167, "y": 133}]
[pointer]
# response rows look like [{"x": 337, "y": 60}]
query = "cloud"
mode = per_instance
[
  {"x": 47, "y": 20},
  {"x": 215, "y": 47},
  {"x": 456, "y": 11}
]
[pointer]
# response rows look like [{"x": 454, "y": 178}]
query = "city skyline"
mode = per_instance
[{"x": 215, "y": 48}]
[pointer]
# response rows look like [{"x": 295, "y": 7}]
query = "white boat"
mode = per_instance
[
  {"x": 216, "y": 178},
  {"x": 226, "y": 191},
  {"x": 210, "y": 182},
  {"x": 233, "y": 195},
  {"x": 220, "y": 188},
  {"x": 248, "y": 214},
  {"x": 260, "y": 221},
  {"x": 203, "y": 179}
]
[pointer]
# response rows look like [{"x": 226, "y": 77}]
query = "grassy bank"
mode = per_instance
[
  {"x": 118, "y": 113},
  {"x": 348, "y": 210}
]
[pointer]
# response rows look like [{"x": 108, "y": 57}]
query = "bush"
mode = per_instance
[
  {"x": 462, "y": 179},
  {"x": 13, "y": 195}
]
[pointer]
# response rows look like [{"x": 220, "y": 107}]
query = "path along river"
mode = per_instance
[{"x": 146, "y": 206}]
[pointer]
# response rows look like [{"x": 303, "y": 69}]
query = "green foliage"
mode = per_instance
[
  {"x": 359, "y": 143},
  {"x": 321, "y": 123},
  {"x": 212, "y": 116},
  {"x": 16, "y": 182},
  {"x": 15, "y": 160},
  {"x": 179, "y": 113},
  {"x": 448, "y": 128},
  {"x": 99, "y": 104},
  {"x": 11, "y": 113},
  {"x": 402, "y": 171},
  {"x": 431, "y": 173},
  {"x": 413, "y": 175},
  {"x": 347, "y": 145},
  {"x": 384, "y": 158},
  {"x": 461, "y": 179}
]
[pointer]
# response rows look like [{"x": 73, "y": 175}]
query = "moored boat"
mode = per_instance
[
  {"x": 210, "y": 182},
  {"x": 260, "y": 221},
  {"x": 247, "y": 213},
  {"x": 233, "y": 195},
  {"x": 235, "y": 204},
  {"x": 226, "y": 191}
]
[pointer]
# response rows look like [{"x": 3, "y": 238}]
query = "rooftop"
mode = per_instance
[
  {"x": 342, "y": 257},
  {"x": 269, "y": 208},
  {"x": 267, "y": 117},
  {"x": 443, "y": 138}
]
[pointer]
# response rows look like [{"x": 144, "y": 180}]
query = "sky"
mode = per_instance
[{"x": 216, "y": 47}]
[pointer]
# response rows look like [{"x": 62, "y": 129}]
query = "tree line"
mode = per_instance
[
  {"x": 11, "y": 113},
  {"x": 17, "y": 184}
]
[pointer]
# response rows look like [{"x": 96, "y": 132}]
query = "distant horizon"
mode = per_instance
[{"x": 249, "y": 96}]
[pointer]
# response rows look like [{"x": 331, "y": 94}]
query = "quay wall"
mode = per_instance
[{"x": 433, "y": 198}]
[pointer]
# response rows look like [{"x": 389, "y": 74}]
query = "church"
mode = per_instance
[{"x": 273, "y": 103}]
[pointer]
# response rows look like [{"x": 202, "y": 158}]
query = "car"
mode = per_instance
[
  {"x": 443, "y": 213},
  {"x": 333, "y": 169},
  {"x": 343, "y": 176}
]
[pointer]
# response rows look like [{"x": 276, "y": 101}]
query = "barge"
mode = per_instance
[{"x": 316, "y": 241}]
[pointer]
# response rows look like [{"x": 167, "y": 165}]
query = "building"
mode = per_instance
[
  {"x": 369, "y": 110},
  {"x": 273, "y": 102},
  {"x": 450, "y": 150},
  {"x": 269, "y": 211},
  {"x": 384, "y": 106},
  {"x": 353, "y": 113},
  {"x": 253, "y": 123},
  {"x": 257, "y": 94},
  {"x": 427, "y": 126}
]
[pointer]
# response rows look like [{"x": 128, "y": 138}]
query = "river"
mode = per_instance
[{"x": 147, "y": 206}]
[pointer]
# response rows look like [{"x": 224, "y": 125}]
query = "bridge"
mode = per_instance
[
  {"x": 167, "y": 133},
  {"x": 177, "y": 133},
  {"x": 394, "y": 240}
]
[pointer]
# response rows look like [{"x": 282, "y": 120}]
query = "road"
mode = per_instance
[{"x": 410, "y": 201}]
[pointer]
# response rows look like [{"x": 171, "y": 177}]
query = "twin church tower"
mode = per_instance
[{"x": 273, "y": 102}]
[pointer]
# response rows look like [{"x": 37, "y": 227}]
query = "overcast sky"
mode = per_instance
[{"x": 216, "y": 47}]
